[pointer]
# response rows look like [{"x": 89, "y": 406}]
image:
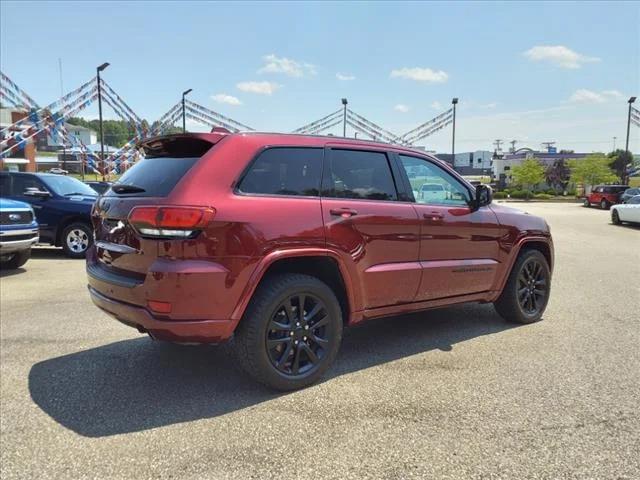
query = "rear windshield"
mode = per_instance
[
  {"x": 166, "y": 161},
  {"x": 153, "y": 177}
]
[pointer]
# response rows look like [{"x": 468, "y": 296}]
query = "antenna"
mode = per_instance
[{"x": 497, "y": 144}]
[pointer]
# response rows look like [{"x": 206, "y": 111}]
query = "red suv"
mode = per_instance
[
  {"x": 605, "y": 195},
  {"x": 280, "y": 241}
]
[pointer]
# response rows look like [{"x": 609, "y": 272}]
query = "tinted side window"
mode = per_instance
[
  {"x": 432, "y": 184},
  {"x": 22, "y": 182},
  {"x": 285, "y": 171},
  {"x": 359, "y": 174},
  {"x": 5, "y": 185},
  {"x": 635, "y": 200}
]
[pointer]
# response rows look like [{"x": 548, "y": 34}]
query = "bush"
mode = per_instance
[
  {"x": 543, "y": 196},
  {"x": 519, "y": 194},
  {"x": 499, "y": 195}
]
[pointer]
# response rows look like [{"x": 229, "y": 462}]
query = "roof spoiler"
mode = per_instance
[{"x": 219, "y": 130}]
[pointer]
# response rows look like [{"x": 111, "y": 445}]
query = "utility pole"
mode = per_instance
[
  {"x": 344, "y": 117},
  {"x": 454, "y": 102},
  {"x": 548, "y": 145},
  {"x": 513, "y": 146},
  {"x": 497, "y": 144}
]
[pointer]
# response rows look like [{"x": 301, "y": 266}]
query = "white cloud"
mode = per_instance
[
  {"x": 558, "y": 55},
  {"x": 436, "y": 105},
  {"x": 401, "y": 108},
  {"x": 420, "y": 74},
  {"x": 287, "y": 66},
  {"x": 489, "y": 106},
  {"x": 261, "y": 88},
  {"x": 613, "y": 93},
  {"x": 224, "y": 98},
  {"x": 583, "y": 95},
  {"x": 344, "y": 77}
]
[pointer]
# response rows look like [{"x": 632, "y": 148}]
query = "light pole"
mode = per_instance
[
  {"x": 344, "y": 117},
  {"x": 184, "y": 117},
  {"x": 614, "y": 143},
  {"x": 454, "y": 101},
  {"x": 626, "y": 145},
  {"x": 98, "y": 70}
]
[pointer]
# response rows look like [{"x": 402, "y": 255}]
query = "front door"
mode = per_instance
[
  {"x": 374, "y": 231},
  {"x": 458, "y": 245}
]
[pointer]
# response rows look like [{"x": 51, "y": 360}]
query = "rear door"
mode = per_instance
[
  {"x": 374, "y": 229},
  {"x": 459, "y": 248},
  {"x": 119, "y": 249}
]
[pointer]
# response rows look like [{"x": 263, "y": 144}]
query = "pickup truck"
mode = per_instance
[
  {"x": 62, "y": 206},
  {"x": 18, "y": 233}
]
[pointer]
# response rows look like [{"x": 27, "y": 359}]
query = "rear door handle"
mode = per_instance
[
  {"x": 433, "y": 216},
  {"x": 343, "y": 212}
]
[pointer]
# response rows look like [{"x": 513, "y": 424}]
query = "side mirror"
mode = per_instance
[
  {"x": 484, "y": 196},
  {"x": 34, "y": 192}
]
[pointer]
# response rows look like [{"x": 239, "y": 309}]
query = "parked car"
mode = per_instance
[
  {"x": 18, "y": 233},
  {"x": 626, "y": 212},
  {"x": 282, "y": 240},
  {"x": 99, "y": 187},
  {"x": 62, "y": 207},
  {"x": 58, "y": 171},
  {"x": 604, "y": 195},
  {"x": 432, "y": 191},
  {"x": 628, "y": 194}
]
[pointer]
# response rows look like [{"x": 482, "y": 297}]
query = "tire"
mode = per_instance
[
  {"x": 604, "y": 205},
  {"x": 76, "y": 239},
  {"x": 269, "y": 354},
  {"x": 17, "y": 260},
  {"x": 615, "y": 217},
  {"x": 514, "y": 308},
  {"x": 586, "y": 203}
]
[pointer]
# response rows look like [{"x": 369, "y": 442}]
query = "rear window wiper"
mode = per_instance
[{"x": 127, "y": 188}]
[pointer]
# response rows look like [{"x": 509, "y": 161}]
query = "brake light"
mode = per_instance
[{"x": 170, "y": 221}]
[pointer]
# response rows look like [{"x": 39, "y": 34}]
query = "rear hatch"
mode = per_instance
[{"x": 123, "y": 253}]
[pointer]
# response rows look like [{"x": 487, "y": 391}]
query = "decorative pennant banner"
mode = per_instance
[
  {"x": 236, "y": 125},
  {"x": 311, "y": 125},
  {"x": 212, "y": 121},
  {"x": 433, "y": 121},
  {"x": 124, "y": 106},
  {"x": 30, "y": 102},
  {"x": 322, "y": 126},
  {"x": 382, "y": 133}
]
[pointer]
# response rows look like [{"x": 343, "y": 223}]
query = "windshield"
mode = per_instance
[
  {"x": 67, "y": 185},
  {"x": 153, "y": 177}
]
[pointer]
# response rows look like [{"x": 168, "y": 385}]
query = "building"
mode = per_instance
[
  {"x": 20, "y": 159},
  {"x": 81, "y": 134},
  {"x": 502, "y": 164},
  {"x": 477, "y": 163}
]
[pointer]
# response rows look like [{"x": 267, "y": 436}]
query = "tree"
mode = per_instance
[
  {"x": 557, "y": 175},
  {"x": 591, "y": 170},
  {"x": 618, "y": 161},
  {"x": 528, "y": 174}
]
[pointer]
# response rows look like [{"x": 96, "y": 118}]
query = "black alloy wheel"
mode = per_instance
[
  {"x": 298, "y": 336},
  {"x": 532, "y": 287}
]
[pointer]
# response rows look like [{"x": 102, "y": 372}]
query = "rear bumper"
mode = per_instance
[{"x": 196, "y": 331}]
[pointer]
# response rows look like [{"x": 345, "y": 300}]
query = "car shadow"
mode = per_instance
[
  {"x": 10, "y": 272},
  {"x": 139, "y": 384},
  {"x": 48, "y": 253}
]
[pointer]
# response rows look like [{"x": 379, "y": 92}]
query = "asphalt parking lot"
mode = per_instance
[{"x": 453, "y": 393}]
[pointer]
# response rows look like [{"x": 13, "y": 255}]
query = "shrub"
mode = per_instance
[
  {"x": 542, "y": 196},
  {"x": 519, "y": 194},
  {"x": 499, "y": 195}
]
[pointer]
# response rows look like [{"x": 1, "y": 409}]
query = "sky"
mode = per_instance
[{"x": 531, "y": 72}]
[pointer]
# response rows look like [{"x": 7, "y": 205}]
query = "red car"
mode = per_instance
[
  {"x": 280, "y": 241},
  {"x": 605, "y": 195}
]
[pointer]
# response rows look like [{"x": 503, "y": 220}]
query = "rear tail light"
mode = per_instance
[{"x": 180, "y": 222}]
